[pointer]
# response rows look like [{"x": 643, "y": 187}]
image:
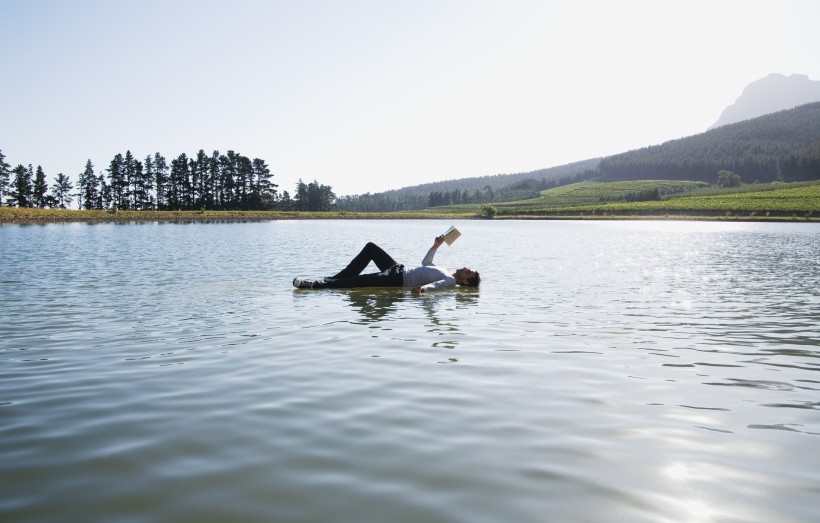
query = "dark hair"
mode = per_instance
[{"x": 474, "y": 281}]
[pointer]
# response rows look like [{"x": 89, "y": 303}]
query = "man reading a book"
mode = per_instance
[{"x": 424, "y": 278}]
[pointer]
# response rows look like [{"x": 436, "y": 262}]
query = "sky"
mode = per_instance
[{"x": 371, "y": 95}]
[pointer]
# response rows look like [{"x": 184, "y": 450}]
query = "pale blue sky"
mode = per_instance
[{"x": 373, "y": 95}]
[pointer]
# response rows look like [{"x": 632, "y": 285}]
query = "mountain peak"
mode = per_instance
[{"x": 770, "y": 94}]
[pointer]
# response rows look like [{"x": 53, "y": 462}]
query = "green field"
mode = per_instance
[
  {"x": 674, "y": 198},
  {"x": 593, "y": 193}
]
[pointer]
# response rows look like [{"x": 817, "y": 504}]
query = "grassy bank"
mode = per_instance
[{"x": 42, "y": 216}]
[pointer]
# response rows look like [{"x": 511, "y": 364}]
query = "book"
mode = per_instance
[{"x": 451, "y": 235}]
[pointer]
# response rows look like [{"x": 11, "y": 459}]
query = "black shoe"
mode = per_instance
[{"x": 299, "y": 283}]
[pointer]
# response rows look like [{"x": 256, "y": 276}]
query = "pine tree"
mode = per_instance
[
  {"x": 130, "y": 182},
  {"x": 300, "y": 197},
  {"x": 227, "y": 177},
  {"x": 202, "y": 180},
  {"x": 61, "y": 191},
  {"x": 4, "y": 177},
  {"x": 178, "y": 183},
  {"x": 192, "y": 181},
  {"x": 139, "y": 194},
  {"x": 88, "y": 192},
  {"x": 244, "y": 170},
  {"x": 105, "y": 197},
  {"x": 21, "y": 187},
  {"x": 118, "y": 183},
  {"x": 264, "y": 191},
  {"x": 148, "y": 178},
  {"x": 160, "y": 180},
  {"x": 285, "y": 203},
  {"x": 214, "y": 198},
  {"x": 39, "y": 192}
]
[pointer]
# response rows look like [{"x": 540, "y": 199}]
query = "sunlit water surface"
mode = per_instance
[{"x": 605, "y": 371}]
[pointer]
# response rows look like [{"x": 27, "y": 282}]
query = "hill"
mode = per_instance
[
  {"x": 775, "y": 92},
  {"x": 782, "y": 146},
  {"x": 756, "y": 149},
  {"x": 480, "y": 189}
]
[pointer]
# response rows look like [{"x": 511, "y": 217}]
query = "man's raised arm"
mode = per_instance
[{"x": 428, "y": 258}]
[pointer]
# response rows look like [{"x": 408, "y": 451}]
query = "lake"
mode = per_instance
[{"x": 604, "y": 371}]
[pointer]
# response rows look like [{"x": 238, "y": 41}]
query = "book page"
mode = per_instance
[{"x": 451, "y": 235}]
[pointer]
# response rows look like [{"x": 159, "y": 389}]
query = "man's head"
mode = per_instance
[{"x": 467, "y": 277}]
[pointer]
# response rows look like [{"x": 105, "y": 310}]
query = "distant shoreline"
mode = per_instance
[{"x": 27, "y": 216}]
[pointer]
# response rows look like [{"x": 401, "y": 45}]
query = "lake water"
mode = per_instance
[{"x": 605, "y": 371}]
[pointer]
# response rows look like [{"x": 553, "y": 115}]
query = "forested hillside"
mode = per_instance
[
  {"x": 481, "y": 189},
  {"x": 777, "y": 146},
  {"x": 782, "y": 146}
]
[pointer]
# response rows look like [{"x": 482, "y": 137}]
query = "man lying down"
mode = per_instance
[{"x": 426, "y": 277}]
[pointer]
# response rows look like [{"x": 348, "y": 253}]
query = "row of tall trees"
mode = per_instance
[
  {"x": 25, "y": 187},
  {"x": 217, "y": 181}
]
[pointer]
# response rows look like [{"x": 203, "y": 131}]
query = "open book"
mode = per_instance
[{"x": 451, "y": 235}]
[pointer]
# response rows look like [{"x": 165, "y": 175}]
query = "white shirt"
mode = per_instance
[{"x": 429, "y": 276}]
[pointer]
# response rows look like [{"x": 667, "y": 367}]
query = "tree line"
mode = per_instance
[
  {"x": 25, "y": 187},
  {"x": 520, "y": 189},
  {"x": 473, "y": 190},
  {"x": 311, "y": 197},
  {"x": 229, "y": 181}
]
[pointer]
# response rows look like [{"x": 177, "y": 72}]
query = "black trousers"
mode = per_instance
[{"x": 391, "y": 273}]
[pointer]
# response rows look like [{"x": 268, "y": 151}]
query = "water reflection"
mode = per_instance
[
  {"x": 374, "y": 304},
  {"x": 392, "y": 308},
  {"x": 377, "y": 305},
  {"x": 444, "y": 320}
]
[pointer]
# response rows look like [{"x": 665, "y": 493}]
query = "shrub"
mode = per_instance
[{"x": 488, "y": 211}]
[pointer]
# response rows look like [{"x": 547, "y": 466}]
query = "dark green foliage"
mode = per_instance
[
  {"x": 88, "y": 188},
  {"x": 263, "y": 191},
  {"x": 310, "y": 197},
  {"x": 488, "y": 211},
  {"x": 5, "y": 177},
  {"x": 216, "y": 182},
  {"x": 39, "y": 192},
  {"x": 753, "y": 149},
  {"x": 178, "y": 181},
  {"x": 61, "y": 192},
  {"x": 159, "y": 172},
  {"x": 118, "y": 182},
  {"x": 21, "y": 188},
  {"x": 728, "y": 179},
  {"x": 802, "y": 165}
]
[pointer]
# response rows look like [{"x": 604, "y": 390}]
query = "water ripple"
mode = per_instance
[{"x": 609, "y": 371}]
